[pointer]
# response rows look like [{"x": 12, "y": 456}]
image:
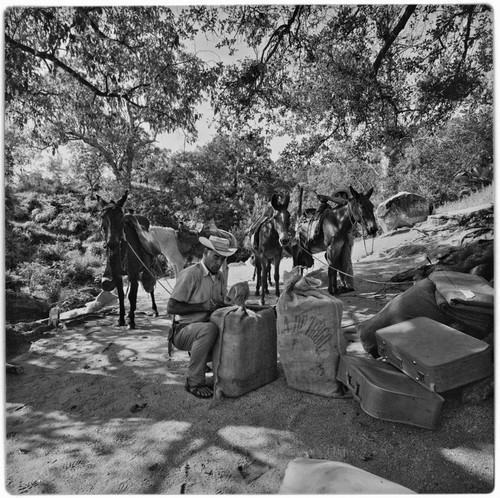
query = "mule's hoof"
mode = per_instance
[
  {"x": 344, "y": 289},
  {"x": 257, "y": 293},
  {"x": 121, "y": 324},
  {"x": 131, "y": 326}
]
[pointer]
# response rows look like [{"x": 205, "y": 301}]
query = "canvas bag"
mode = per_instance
[
  {"x": 310, "y": 476},
  {"x": 244, "y": 355},
  {"x": 309, "y": 338}
]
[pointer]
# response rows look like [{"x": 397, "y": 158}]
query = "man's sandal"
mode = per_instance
[{"x": 200, "y": 390}]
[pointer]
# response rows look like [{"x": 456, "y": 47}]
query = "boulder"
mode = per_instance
[
  {"x": 403, "y": 210},
  {"x": 23, "y": 307}
]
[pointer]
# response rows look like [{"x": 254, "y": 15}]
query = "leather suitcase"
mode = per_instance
[
  {"x": 437, "y": 356},
  {"x": 386, "y": 393}
]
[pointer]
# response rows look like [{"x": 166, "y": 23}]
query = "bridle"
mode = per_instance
[
  {"x": 105, "y": 215},
  {"x": 275, "y": 222},
  {"x": 356, "y": 216}
]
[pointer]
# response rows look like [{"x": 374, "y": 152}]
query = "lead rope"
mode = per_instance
[
  {"x": 149, "y": 271},
  {"x": 362, "y": 222},
  {"x": 348, "y": 274}
]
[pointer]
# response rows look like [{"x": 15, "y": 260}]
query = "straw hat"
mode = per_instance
[
  {"x": 219, "y": 245},
  {"x": 340, "y": 191}
]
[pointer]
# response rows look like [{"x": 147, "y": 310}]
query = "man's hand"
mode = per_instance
[{"x": 215, "y": 305}]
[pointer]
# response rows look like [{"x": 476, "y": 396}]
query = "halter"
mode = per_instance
[
  {"x": 289, "y": 231},
  {"x": 362, "y": 222},
  {"x": 352, "y": 215},
  {"x": 111, "y": 206}
]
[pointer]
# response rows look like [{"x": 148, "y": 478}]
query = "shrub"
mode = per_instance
[
  {"x": 36, "y": 234},
  {"x": 17, "y": 247},
  {"x": 52, "y": 292},
  {"x": 81, "y": 269},
  {"x": 41, "y": 279},
  {"x": 80, "y": 273},
  {"x": 76, "y": 224},
  {"x": 51, "y": 253},
  {"x": 96, "y": 249},
  {"x": 44, "y": 214},
  {"x": 30, "y": 201},
  {"x": 481, "y": 196},
  {"x": 243, "y": 253},
  {"x": 13, "y": 281}
]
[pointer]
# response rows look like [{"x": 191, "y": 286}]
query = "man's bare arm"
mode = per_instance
[{"x": 175, "y": 307}]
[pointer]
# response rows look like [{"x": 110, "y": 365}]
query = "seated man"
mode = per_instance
[{"x": 200, "y": 289}]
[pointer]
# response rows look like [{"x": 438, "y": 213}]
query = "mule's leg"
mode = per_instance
[
  {"x": 121, "y": 300},
  {"x": 332, "y": 280},
  {"x": 269, "y": 274},
  {"x": 153, "y": 304},
  {"x": 335, "y": 283},
  {"x": 277, "y": 260},
  {"x": 263, "y": 278},
  {"x": 332, "y": 256},
  {"x": 265, "y": 274},
  {"x": 346, "y": 266},
  {"x": 132, "y": 298},
  {"x": 258, "y": 270}
]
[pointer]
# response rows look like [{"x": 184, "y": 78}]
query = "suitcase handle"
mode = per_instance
[{"x": 355, "y": 385}]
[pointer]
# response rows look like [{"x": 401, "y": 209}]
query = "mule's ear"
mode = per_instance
[
  {"x": 100, "y": 200},
  {"x": 369, "y": 193},
  {"x": 274, "y": 201},
  {"x": 121, "y": 202},
  {"x": 286, "y": 201},
  {"x": 353, "y": 192}
]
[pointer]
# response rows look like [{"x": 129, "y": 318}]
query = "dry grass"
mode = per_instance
[{"x": 482, "y": 196}]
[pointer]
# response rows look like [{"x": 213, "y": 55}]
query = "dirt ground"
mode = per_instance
[{"x": 102, "y": 410}]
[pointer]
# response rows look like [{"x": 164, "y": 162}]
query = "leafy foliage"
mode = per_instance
[
  {"x": 216, "y": 183},
  {"x": 112, "y": 77},
  {"x": 371, "y": 75},
  {"x": 431, "y": 162}
]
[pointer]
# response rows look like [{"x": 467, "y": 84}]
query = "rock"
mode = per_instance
[
  {"x": 104, "y": 299},
  {"x": 403, "y": 210},
  {"x": 15, "y": 369},
  {"x": 20, "y": 336},
  {"x": 54, "y": 315},
  {"x": 478, "y": 391},
  {"x": 23, "y": 307}
]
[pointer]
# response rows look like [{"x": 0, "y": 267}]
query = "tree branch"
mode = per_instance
[
  {"x": 392, "y": 37},
  {"x": 49, "y": 57},
  {"x": 470, "y": 12},
  {"x": 280, "y": 32},
  {"x": 95, "y": 27}
]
